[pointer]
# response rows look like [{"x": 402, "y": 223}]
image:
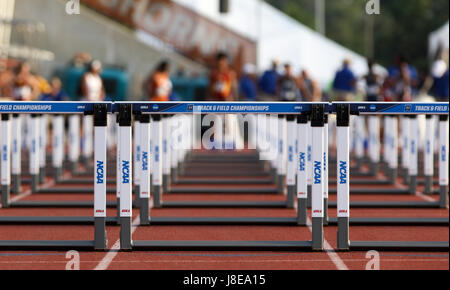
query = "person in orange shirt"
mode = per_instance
[
  {"x": 223, "y": 83},
  {"x": 159, "y": 84}
]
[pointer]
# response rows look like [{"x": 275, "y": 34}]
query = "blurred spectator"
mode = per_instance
[
  {"x": 344, "y": 83},
  {"x": 247, "y": 85},
  {"x": 6, "y": 81},
  {"x": 372, "y": 83},
  {"x": 159, "y": 86},
  {"x": 309, "y": 88},
  {"x": 287, "y": 86},
  {"x": 92, "y": 84},
  {"x": 80, "y": 59},
  {"x": 223, "y": 83},
  {"x": 56, "y": 94},
  {"x": 438, "y": 82},
  {"x": 269, "y": 81},
  {"x": 25, "y": 84}
]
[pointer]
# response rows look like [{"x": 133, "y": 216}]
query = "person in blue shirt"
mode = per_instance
[
  {"x": 440, "y": 88},
  {"x": 269, "y": 81},
  {"x": 344, "y": 83},
  {"x": 56, "y": 94},
  {"x": 247, "y": 84}
]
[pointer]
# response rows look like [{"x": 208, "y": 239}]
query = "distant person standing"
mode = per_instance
[
  {"x": 92, "y": 84},
  {"x": 223, "y": 83},
  {"x": 287, "y": 86},
  {"x": 309, "y": 88},
  {"x": 159, "y": 85},
  {"x": 440, "y": 75},
  {"x": 344, "y": 83},
  {"x": 372, "y": 83},
  {"x": 93, "y": 91},
  {"x": 25, "y": 84},
  {"x": 57, "y": 93},
  {"x": 247, "y": 84},
  {"x": 269, "y": 81}
]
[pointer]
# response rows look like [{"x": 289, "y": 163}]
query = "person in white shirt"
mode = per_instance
[{"x": 92, "y": 84}]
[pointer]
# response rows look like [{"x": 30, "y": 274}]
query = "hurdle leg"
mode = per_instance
[
  {"x": 42, "y": 148},
  {"x": 5, "y": 160},
  {"x": 58, "y": 146},
  {"x": 118, "y": 170},
  {"x": 309, "y": 165},
  {"x": 429, "y": 162},
  {"x": 137, "y": 158},
  {"x": 74, "y": 142},
  {"x": 16, "y": 158},
  {"x": 281, "y": 154},
  {"x": 443, "y": 160},
  {"x": 374, "y": 144},
  {"x": 290, "y": 173},
  {"x": 100, "y": 167},
  {"x": 413, "y": 157},
  {"x": 325, "y": 171},
  {"x": 34, "y": 153},
  {"x": 302, "y": 174},
  {"x": 343, "y": 175},
  {"x": 317, "y": 124},
  {"x": 156, "y": 160},
  {"x": 393, "y": 149},
  {"x": 405, "y": 149},
  {"x": 166, "y": 154},
  {"x": 125, "y": 179},
  {"x": 144, "y": 187}
]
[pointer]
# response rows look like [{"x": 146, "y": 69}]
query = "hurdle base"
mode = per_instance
[
  {"x": 222, "y": 245},
  {"x": 413, "y": 184},
  {"x": 317, "y": 233},
  {"x": 42, "y": 175},
  {"x": 137, "y": 198},
  {"x": 343, "y": 242},
  {"x": 405, "y": 176},
  {"x": 399, "y": 246},
  {"x": 6, "y": 196},
  {"x": 73, "y": 166},
  {"x": 373, "y": 168},
  {"x": 144, "y": 211},
  {"x": 34, "y": 183},
  {"x": 16, "y": 182},
  {"x": 391, "y": 175},
  {"x": 308, "y": 195},
  {"x": 281, "y": 183},
  {"x": 428, "y": 185},
  {"x": 157, "y": 202},
  {"x": 125, "y": 234},
  {"x": 291, "y": 190},
  {"x": 57, "y": 174},
  {"x": 165, "y": 183},
  {"x": 100, "y": 239},
  {"x": 29, "y": 245},
  {"x": 302, "y": 211},
  {"x": 325, "y": 211},
  {"x": 443, "y": 199},
  {"x": 118, "y": 210}
]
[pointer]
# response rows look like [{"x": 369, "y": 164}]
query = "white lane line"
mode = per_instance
[
  {"x": 112, "y": 253},
  {"x": 334, "y": 257},
  {"x": 28, "y": 192}
]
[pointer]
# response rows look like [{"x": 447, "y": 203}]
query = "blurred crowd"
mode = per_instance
[{"x": 403, "y": 83}]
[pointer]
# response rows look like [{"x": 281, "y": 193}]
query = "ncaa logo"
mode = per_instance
[
  {"x": 343, "y": 172},
  {"x": 302, "y": 161},
  {"x": 100, "y": 172},
  {"x": 125, "y": 171},
  {"x": 317, "y": 172},
  {"x": 155, "y": 107}
]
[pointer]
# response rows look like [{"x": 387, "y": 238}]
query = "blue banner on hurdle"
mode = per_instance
[
  {"x": 386, "y": 108},
  {"x": 221, "y": 107},
  {"x": 50, "y": 107}
]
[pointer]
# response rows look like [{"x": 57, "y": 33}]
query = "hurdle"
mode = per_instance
[
  {"x": 343, "y": 154},
  {"x": 99, "y": 112},
  {"x": 317, "y": 111}
]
